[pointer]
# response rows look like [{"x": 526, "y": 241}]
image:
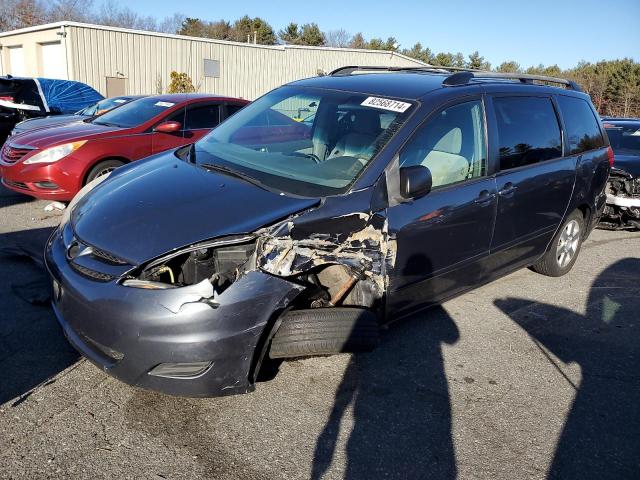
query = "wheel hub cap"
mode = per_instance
[{"x": 568, "y": 243}]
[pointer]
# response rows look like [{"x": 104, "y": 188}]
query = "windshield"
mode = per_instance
[
  {"x": 308, "y": 142},
  {"x": 624, "y": 138},
  {"x": 103, "y": 106},
  {"x": 133, "y": 113}
]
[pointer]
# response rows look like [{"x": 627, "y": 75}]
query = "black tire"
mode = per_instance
[
  {"x": 325, "y": 331},
  {"x": 553, "y": 264},
  {"x": 101, "y": 168}
]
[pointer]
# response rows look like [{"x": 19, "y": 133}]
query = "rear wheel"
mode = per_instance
[
  {"x": 102, "y": 168},
  {"x": 564, "y": 249}
]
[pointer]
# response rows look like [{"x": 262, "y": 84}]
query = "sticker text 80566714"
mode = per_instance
[{"x": 386, "y": 104}]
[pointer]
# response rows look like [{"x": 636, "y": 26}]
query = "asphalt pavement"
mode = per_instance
[{"x": 528, "y": 377}]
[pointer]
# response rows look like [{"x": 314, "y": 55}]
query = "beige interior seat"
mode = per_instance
[
  {"x": 444, "y": 160},
  {"x": 359, "y": 142}
]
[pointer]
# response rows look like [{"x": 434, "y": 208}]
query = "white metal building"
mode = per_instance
[{"x": 118, "y": 61}]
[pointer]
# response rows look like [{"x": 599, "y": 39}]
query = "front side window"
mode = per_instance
[
  {"x": 310, "y": 142},
  {"x": 451, "y": 144},
  {"x": 528, "y": 131},
  {"x": 583, "y": 132},
  {"x": 134, "y": 113}
]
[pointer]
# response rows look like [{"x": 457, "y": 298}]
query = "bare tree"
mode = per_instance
[
  {"x": 339, "y": 38},
  {"x": 171, "y": 24},
  {"x": 21, "y": 13},
  {"x": 73, "y": 10}
]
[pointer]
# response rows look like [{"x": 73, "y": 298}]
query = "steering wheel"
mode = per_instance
[{"x": 311, "y": 156}]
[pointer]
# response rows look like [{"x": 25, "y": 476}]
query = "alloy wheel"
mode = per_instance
[{"x": 568, "y": 243}]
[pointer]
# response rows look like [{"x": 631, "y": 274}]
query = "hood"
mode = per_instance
[
  {"x": 627, "y": 163},
  {"x": 152, "y": 207},
  {"x": 69, "y": 132},
  {"x": 45, "y": 122}
]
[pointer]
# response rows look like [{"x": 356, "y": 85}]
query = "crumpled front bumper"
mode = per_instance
[
  {"x": 128, "y": 331},
  {"x": 621, "y": 201}
]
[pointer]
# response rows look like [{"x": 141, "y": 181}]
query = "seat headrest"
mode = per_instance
[
  {"x": 366, "y": 121},
  {"x": 451, "y": 142}
]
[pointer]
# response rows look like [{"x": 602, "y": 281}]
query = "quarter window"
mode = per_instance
[
  {"x": 583, "y": 132},
  {"x": 451, "y": 144},
  {"x": 528, "y": 131}
]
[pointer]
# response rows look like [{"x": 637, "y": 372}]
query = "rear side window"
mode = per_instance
[
  {"x": 583, "y": 132},
  {"x": 528, "y": 131},
  {"x": 202, "y": 116}
]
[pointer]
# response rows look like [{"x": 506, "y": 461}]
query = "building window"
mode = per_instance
[{"x": 211, "y": 68}]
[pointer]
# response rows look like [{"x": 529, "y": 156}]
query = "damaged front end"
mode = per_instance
[
  {"x": 342, "y": 260},
  {"x": 189, "y": 323},
  {"x": 198, "y": 321},
  {"x": 622, "y": 211},
  {"x": 214, "y": 265}
]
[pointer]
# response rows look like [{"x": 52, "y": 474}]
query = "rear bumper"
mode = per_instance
[{"x": 127, "y": 332}]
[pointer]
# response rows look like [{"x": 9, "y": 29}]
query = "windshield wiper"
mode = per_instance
[{"x": 233, "y": 173}]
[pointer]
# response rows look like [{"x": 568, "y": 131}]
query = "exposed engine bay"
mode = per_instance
[
  {"x": 345, "y": 269},
  {"x": 622, "y": 211}
]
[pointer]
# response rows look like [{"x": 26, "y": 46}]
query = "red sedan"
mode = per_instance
[{"x": 55, "y": 163}]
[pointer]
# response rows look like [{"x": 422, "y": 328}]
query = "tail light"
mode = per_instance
[
  {"x": 610, "y": 156},
  {"x": 7, "y": 98}
]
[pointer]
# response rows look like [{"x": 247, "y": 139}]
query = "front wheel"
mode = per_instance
[
  {"x": 564, "y": 249},
  {"x": 102, "y": 168}
]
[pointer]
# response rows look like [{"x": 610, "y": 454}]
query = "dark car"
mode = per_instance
[
  {"x": 54, "y": 163},
  {"x": 23, "y": 98},
  {"x": 86, "y": 113},
  {"x": 623, "y": 189},
  {"x": 274, "y": 238}
]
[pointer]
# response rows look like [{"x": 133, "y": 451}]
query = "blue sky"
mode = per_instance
[{"x": 532, "y": 32}]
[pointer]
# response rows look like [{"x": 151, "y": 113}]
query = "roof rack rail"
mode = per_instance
[
  {"x": 350, "y": 69},
  {"x": 463, "y": 77}
]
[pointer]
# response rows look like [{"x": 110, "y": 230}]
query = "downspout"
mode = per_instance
[{"x": 64, "y": 44}]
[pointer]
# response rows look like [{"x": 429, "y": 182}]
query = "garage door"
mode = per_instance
[
  {"x": 54, "y": 63},
  {"x": 16, "y": 62}
]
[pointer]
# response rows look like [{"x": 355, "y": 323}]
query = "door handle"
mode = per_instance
[
  {"x": 508, "y": 189},
  {"x": 484, "y": 197}
]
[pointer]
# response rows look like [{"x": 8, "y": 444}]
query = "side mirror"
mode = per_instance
[
  {"x": 415, "y": 181},
  {"x": 168, "y": 127}
]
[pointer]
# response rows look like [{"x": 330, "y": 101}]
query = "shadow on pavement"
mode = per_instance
[
  {"x": 8, "y": 197},
  {"x": 32, "y": 345},
  {"x": 401, "y": 407},
  {"x": 601, "y": 435}
]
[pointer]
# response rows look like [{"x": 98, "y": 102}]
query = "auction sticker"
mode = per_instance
[
  {"x": 386, "y": 104},
  {"x": 164, "y": 104}
]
